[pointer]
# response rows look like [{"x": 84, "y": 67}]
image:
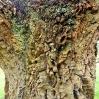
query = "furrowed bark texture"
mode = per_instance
[{"x": 48, "y": 49}]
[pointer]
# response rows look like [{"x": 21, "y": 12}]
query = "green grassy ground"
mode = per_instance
[{"x": 2, "y": 80}]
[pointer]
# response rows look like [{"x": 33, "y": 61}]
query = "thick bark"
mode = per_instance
[{"x": 54, "y": 56}]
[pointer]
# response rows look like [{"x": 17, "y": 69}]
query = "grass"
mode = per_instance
[{"x": 2, "y": 80}]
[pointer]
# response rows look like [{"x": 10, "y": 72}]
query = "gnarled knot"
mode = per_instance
[
  {"x": 61, "y": 39},
  {"x": 81, "y": 7}
]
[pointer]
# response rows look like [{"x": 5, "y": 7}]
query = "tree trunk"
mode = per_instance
[{"x": 48, "y": 48}]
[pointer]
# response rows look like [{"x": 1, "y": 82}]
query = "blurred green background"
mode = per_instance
[{"x": 2, "y": 83}]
